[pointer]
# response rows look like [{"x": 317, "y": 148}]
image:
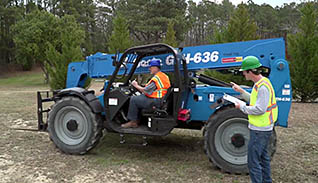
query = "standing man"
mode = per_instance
[
  {"x": 151, "y": 95},
  {"x": 262, "y": 114}
]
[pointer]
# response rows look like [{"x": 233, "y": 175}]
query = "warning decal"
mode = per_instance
[{"x": 232, "y": 59}]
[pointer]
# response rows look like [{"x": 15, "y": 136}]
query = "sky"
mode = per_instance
[{"x": 273, "y": 3}]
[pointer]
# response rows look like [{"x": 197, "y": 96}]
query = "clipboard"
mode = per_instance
[{"x": 233, "y": 99}]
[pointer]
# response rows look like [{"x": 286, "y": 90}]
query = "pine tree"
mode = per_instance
[
  {"x": 148, "y": 19},
  {"x": 84, "y": 13},
  {"x": 120, "y": 38},
  {"x": 302, "y": 48},
  {"x": 68, "y": 50},
  {"x": 170, "y": 38},
  {"x": 9, "y": 15},
  {"x": 31, "y": 34},
  {"x": 240, "y": 28}
]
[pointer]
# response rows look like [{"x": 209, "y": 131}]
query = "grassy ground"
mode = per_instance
[
  {"x": 31, "y": 156},
  {"x": 23, "y": 79}
]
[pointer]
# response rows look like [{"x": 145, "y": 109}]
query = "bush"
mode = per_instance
[
  {"x": 68, "y": 50},
  {"x": 302, "y": 48}
]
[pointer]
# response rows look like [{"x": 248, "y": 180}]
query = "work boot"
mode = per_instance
[{"x": 130, "y": 124}]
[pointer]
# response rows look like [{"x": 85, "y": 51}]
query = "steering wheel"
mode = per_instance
[{"x": 132, "y": 89}]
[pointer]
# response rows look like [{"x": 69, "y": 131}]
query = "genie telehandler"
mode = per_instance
[{"x": 77, "y": 119}]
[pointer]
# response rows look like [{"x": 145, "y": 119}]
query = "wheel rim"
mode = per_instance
[
  {"x": 71, "y": 125},
  {"x": 231, "y": 140}
]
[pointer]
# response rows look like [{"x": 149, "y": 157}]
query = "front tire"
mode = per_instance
[
  {"x": 226, "y": 141},
  {"x": 73, "y": 127}
]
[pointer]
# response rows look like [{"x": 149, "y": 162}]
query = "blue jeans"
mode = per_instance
[
  {"x": 258, "y": 159},
  {"x": 139, "y": 102}
]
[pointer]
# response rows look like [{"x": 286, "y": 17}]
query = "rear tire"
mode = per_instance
[
  {"x": 73, "y": 127},
  {"x": 226, "y": 141}
]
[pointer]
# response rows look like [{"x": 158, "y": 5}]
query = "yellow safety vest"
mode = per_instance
[
  {"x": 270, "y": 116},
  {"x": 162, "y": 83}
]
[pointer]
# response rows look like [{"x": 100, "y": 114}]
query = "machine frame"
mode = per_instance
[{"x": 77, "y": 117}]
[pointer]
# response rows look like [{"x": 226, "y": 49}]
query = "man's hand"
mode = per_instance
[
  {"x": 237, "y": 87},
  {"x": 134, "y": 83}
]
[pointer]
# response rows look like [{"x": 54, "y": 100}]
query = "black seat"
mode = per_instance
[{"x": 160, "y": 111}]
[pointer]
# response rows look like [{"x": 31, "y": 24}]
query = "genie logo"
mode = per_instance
[
  {"x": 196, "y": 58},
  {"x": 205, "y": 57},
  {"x": 169, "y": 60},
  {"x": 145, "y": 63}
]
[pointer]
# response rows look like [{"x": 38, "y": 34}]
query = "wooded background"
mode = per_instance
[
  {"x": 52, "y": 33},
  {"x": 147, "y": 20}
]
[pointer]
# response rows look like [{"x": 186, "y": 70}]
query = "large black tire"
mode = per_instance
[
  {"x": 226, "y": 141},
  {"x": 73, "y": 127}
]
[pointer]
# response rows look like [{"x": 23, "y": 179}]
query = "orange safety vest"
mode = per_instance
[{"x": 162, "y": 83}]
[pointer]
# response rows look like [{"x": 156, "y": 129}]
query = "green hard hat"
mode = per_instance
[{"x": 250, "y": 62}]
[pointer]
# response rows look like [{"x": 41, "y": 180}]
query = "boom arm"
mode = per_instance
[{"x": 216, "y": 56}]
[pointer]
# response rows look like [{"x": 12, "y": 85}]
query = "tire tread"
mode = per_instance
[{"x": 97, "y": 127}]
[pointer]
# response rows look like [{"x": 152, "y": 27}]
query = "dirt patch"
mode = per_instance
[{"x": 31, "y": 157}]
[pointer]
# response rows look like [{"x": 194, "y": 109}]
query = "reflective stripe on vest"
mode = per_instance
[
  {"x": 270, "y": 116},
  {"x": 162, "y": 83}
]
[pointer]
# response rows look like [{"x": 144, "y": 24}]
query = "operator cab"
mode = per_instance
[{"x": 159, "y": 120}]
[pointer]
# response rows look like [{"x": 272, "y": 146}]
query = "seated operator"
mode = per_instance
[{"x": 151, "y": 95}]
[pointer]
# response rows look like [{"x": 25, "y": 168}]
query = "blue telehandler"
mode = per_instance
[{"x": 77, "y": 119}]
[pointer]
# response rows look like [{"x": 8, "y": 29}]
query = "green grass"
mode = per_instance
[{"x": 24, "y": 79}]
